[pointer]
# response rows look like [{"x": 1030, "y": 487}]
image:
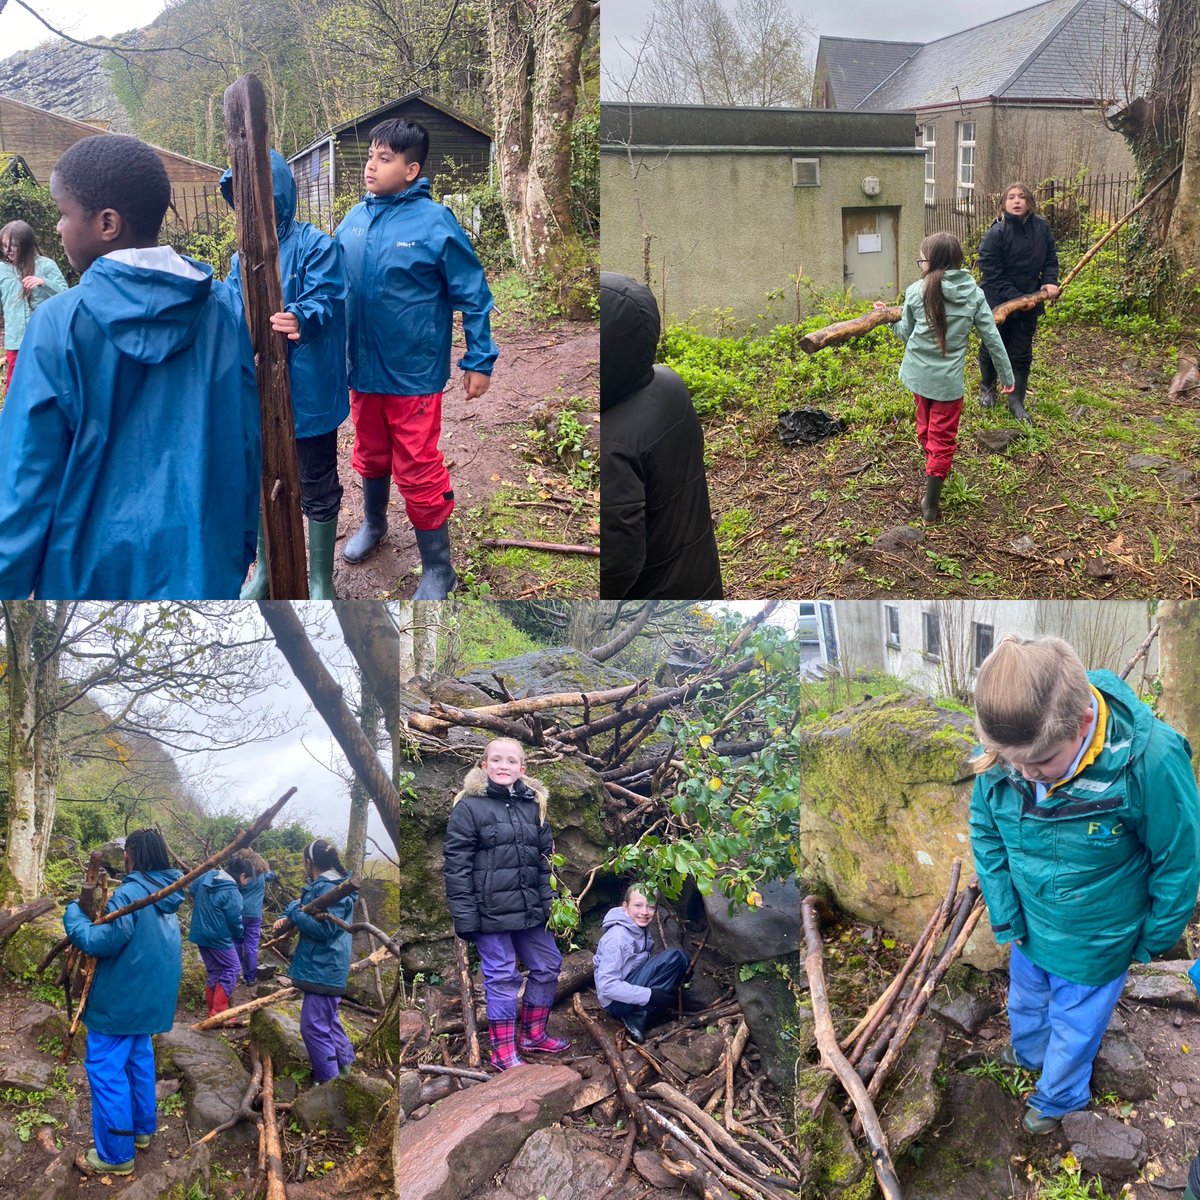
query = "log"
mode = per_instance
[
  {"x": 467, "y": 997},
  {"x": 843, "y": 331},
  {"x": 548, "y": 547},
  {"x": 834, "y": 1060},
  {"x": 319, "y": 905},
  {"x": 262, "y": 292},
  {"x": 626, "y": 1092},
  {"x": 287, "y": 993},
  {"x": 516, "y": 708},
  {"x": 468, "y": 716},
  {"x": 1139, "y": 653},
  {"x": 14, "y": 918},
  {"x": 276, "y": 1189}
]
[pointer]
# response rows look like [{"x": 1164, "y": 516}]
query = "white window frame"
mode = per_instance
[
  {"x": 964, "y": 191},
  {"x": 977, "y": 628},
  {"x": 931, "y": 635},
  {"x": 929, "y": 141},
  {"x": 891, "y": 626}
]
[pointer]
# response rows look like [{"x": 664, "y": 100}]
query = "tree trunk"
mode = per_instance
[
  {"x": 1178, "y": 656},
  {"x": 21, "y": 877},
  {"x": 1184, "y": 237},
  {"x": 47, "y": 755},
  {"x": 360, "y": 800},
  {"x": 535, "y": 48}
]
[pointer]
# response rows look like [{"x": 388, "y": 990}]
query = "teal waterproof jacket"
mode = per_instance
[
  {"x": 926, "y": 371},
  {"x": 17, "y": 309},
  {"x": 138, "y": 960},
  {"x": 1105, "y": 870},
  {"x": 321, "y": 963},
  {"x": 216, "y": 911}
]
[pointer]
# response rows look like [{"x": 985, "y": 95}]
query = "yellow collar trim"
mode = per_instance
[{"x": 1095, "y": 745}]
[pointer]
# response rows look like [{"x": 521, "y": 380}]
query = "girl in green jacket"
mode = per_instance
[
  {"x": 26, "y": 279},
  {"x": 940, "y": 311}
]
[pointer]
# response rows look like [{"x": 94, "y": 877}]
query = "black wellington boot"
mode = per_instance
[
  {"x": 1016, "y": 399},
  {"x": 931, "y": 508},
  {"x": 367, "y": 536},
  {"x": 987, "y": 380},
  {"x": 438, "y": 579}
]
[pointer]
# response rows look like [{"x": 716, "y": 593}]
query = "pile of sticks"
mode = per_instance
[{"x": 864, "y": 1060}]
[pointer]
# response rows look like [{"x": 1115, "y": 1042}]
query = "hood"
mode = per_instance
[
  {"x": 154, "y": 881},
  {"x": 475, "y": 784},
  {"x": 618, "y": 916},
  {"x": 629, "y": 329},
  {"x": 958, "y": 287},
  {"x": 149, "y": 314},
  {"x": 416, "y": 191},
  {"x": 213, "y": 881},
  {"x": 283, "y": 185}
]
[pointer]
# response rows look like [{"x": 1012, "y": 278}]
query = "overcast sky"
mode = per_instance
[
  {"x": 79, "y": 18},
  {"x": 621, "y": 21}
]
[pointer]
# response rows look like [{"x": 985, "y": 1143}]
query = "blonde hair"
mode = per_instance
[
  {"x": 1029, "y": 694},
  {"x": 506, "y": 741}
]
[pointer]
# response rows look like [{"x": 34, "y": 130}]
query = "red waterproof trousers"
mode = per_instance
[
  {"x": 398, "y": 436},
  {"x": 937, "y": 431}
]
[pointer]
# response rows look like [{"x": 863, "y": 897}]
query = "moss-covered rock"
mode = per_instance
[
  {"x": 194, "y": 979},
  {"x": 276, "y": 1031},
  {"x": 884, "y": 812},
  {"x": 347, "y": 1102},
  {"x": 775, "y": 1019},
  {"x": 31, "y": 942}
]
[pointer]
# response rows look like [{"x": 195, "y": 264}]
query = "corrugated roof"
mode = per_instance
[
  {"x": 855, "y": 66},
  {"x": 1049, "y": 51}
]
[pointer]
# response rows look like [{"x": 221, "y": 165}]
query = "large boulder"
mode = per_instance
[
  {"x": 470, "y": 1135},
  {"x": 754, "y": 934},
  {"x": 885, "y": 794},
  {"x": 544, "y": 672},
  {"x": 772, "y": 1015},
  {"x": 1104, "y": 1145},
  {"x": 276, "y": 1031},
  {"x": 351, "y": 1102},
  {"x": 214, "y": 1080},
  {"x": 555, "y": 1163}
]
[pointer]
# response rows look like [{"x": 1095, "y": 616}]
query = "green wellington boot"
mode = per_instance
[
  {"x": 321, "y": 536},
  {"x": 931, "y": 508}
]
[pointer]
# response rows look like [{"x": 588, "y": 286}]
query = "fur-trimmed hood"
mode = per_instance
[{"x": 475, "y": 784}]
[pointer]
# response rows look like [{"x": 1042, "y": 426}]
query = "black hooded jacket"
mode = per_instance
[
  {"x": 656, "y": 534},
  {"x": 1017, "y": 256}
]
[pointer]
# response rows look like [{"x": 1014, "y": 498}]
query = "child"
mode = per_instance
[
  {"x": 938, "y": 315},
  {"x": 1085, "y": 827},
  {"x": 321, "y": 964},
  {"x": 314, "y": 320},
  {"x": 217, "y": 929},
  {"x": 252, "y": 874},
  {"x": 129, "y": 443},
  {"x": 1017, "y": 257},
  {"x": 410, "y": 266},
  {"x": 133, "y": 995},
  {"x": 26, "y": 279},
  {"x": 497, "y": 869},
  {"x": 631, "y": 981}
]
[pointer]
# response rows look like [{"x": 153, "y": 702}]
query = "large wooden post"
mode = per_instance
[{"x": 262, "y": 292}]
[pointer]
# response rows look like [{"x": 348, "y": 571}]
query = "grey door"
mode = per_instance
[{"x": 869, "y": 242}]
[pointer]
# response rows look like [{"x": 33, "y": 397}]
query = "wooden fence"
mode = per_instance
[{"x": 1078, "y": 211}]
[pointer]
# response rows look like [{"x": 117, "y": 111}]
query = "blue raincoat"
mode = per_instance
[
  {"x": 139, "y": 964},
  {"x": 129, "y": 443},
  {"x": 252, "y": 895},
  {"x": 322, "y": 960},
  {"x": 410, "y": 266},
  {"x": 216, "y": 911},
  {"x": 314, "y": 290}
]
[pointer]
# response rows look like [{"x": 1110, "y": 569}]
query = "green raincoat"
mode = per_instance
[{"x": 1105, "y": 870}]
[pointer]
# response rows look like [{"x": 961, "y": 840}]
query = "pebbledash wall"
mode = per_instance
[{"x": 722, "y": 204}]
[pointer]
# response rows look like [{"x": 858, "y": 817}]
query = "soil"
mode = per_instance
[
  {"x": 1058, "y": 513},
  {"x": 484, "y": 443}
]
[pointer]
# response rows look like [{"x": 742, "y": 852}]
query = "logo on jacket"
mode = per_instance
[
  {"x": 405, "y": 245},
  {"x": 1104, "y": 833}
]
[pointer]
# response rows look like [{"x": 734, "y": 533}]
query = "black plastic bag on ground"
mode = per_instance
[{"x": 808, "y": 425}]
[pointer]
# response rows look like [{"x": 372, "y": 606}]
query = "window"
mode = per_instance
[
  {"x": 931, "y": 635},
  {"x": 929, "y": 140},
  {"x": 984, "y": 638},
  {"x": 893, "y": 625},
  {"x": 966, "y": 165}
]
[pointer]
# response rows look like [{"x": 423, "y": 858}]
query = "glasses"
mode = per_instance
[{"x": 922, "y": 261}]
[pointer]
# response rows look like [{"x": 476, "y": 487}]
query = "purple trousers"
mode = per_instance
[
  {"x": 248, "y": 950},
  {"x": 328, "y": 1047},
  {"x": 498, "y": 954},
  {"x": 221, "y": 962}
]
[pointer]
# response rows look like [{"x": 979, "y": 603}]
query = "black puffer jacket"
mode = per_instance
[
  {"x": 497, "y": 857},
  {"x": 1017, "y": 256},
  {"x": 656, "y": 534}
]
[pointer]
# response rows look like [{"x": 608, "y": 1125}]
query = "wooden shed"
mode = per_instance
[
  {"x": 40, "y": 137},
  {"x": 460, "y": 151}
]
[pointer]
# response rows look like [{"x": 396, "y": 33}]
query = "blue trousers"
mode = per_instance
[
  {"x": 662, "y": 970},
  {"x": 1056, "y": 1029},
  {"x": 328, "y": 1047},
  {"x": 498, "y": 953},
  {"x": 120, "y": 1069}
]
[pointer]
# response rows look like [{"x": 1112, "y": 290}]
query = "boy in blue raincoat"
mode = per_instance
[
  {"x": 410, "y": 266},
  {"x": 133, "y": 995},
  {"x": 314, "y": 320},
  {"x": 216, "y": 928},
  {"x": 129, "y": 443}
]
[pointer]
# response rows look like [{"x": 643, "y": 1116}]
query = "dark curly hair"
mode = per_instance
[
  {"x": 403, "y": 137},
  {"x": 147, "y": 850},
  {"x": 122, "y": 173}
]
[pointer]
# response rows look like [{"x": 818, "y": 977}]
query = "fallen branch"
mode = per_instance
[
  {"x": 12, "y": 920},
  {"x": 467, "y": 998},
  {"x": 549, "y": 547},
  {"x": 626, "y": 1092},
  {"x": 834, "y": 1060},
  {"x": 319, "y": 905},
  {"x": 1138, "y": 655},
  {"x": 276, "y": 1188},
  {"x": 246, "y": 1111},
  {"x": 531, "y": 704}
]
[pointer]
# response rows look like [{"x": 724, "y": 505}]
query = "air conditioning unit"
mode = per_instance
[{"x": 806, "y": 172}]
